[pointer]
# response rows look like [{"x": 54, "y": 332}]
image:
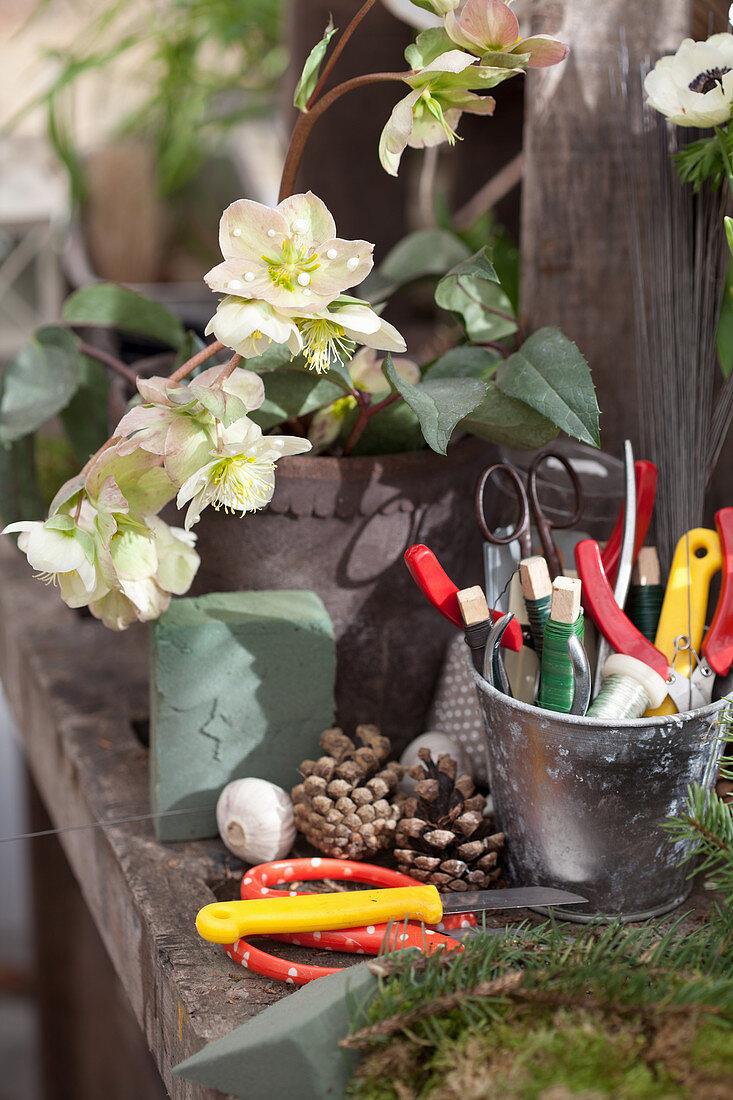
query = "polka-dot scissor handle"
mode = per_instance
[{"x": 260, "y": 882}]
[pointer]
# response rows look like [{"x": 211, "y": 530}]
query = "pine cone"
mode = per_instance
[
  {"x": 443, "y": 837},
  {"x": 345, "y": 805}
]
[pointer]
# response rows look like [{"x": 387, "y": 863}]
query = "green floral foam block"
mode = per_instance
[
  {"x": 241, "y": 684},
  {"x": 290, "y": 1049}
]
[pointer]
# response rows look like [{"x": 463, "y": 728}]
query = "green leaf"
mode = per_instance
[
  {"x": 20, "y": 496},
  {"x": 39, "y": 382},
  {"x": 189, "y": 346},
  {"x": 467, "y": 361},
  {"x": 390, "y": 431},
  {"x": 290, "y": 393},
  {"x": 428, "y": 45},
  {"x": 425, "y": 252},
  {"x": 724, "y": 335},
  {"x": 438, "y": 405},
  {"x": 507, "y": 422},
  {"x": 311, "y": 69},
  {"x": 473, "y": 290},
  {"x": 117, "y": 307},
  {"x": 85, "y": 417},
  {"x": 728, "y": 223},
  {"x": 550, "y": 374}
]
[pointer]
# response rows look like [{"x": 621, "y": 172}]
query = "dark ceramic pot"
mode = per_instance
[{"x": 340, "y": 527}]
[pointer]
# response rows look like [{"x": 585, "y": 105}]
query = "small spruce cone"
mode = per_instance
[
  {"x": 347, "y": 805},
  {"x": 443, "y": 837}
]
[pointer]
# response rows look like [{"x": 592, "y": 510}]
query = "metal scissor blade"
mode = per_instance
[{"x": 518, "y": 897}]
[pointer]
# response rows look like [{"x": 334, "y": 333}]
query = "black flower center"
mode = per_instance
[{"x": 705, "y": 82}]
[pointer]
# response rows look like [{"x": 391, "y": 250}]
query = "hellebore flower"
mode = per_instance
[
  {"x": 64, "y": 555},
  {"x": 694, "y": 87},
  {"x": 332, "y": 335},
  {"x": 240, "y": 475},
  {"x": 441, "y": 93},
  {"x": 489, "y": 27},
  {"x": 152, "y": 561},
  {"x": 366, "y": 375},
  {"x": 249, "y": 326},
  {"x": 178, "y": 421},
  {"x": 288, "y": 256}
]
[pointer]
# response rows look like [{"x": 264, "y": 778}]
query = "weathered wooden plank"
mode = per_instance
[{"x": 575, "y": 261}]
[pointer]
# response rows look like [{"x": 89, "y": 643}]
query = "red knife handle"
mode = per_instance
[
  {"x": 609, "y": 618},
  {"x": 717, "y": 645},
  {"x": 646, "y": 488},
  {"x": 437, "y": 587}
]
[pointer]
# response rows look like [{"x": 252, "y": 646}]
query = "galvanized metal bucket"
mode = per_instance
[{"x": 581, "y": 802}]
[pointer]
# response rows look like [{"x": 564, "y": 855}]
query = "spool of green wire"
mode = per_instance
[
  {"x": 557, "y": 683},
  {"x": 644, "y": 607},
  {"x": 537, "y": 592}
]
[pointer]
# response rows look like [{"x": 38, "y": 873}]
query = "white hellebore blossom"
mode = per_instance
[
  {"x": 332, "y": 335},
  {"x": 240, "y": 475},
  {"x": 64, "y": 554},
  {"x": 288, "y": 256},
  {"x": 249, "y": 326},
  {"x": 694, "y": 87}
]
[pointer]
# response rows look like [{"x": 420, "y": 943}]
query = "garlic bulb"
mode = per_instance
[
  {"x": 438, "y": 743},
  {"x": 255, "y": 820}
]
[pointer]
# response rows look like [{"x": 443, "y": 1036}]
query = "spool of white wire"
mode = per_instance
[{"x": 629, "y": 689}]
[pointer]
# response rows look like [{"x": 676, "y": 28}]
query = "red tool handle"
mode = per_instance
[
  {"x": 646, "y": 488},
  {"x": 717, "y": 645},
  {"x": 609, "y": 618},
  {"x": 437, "y": 587}
]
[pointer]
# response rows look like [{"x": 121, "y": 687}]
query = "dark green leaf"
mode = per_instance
[
  {"x": 472, "y": 290},
  {"x": 425, "y": 252},
  {"x": 290, "y": 393},
  {"x": 117, "y": 307},
  {"x": 39, "y": 382},
  {"x": 550, "y": 374},
  {"x": 390, "y": 431},
  {"x": 20, "y": 496},
  {"x": 311, "y": 69},
  {"x": 189, "y": 346},
  {"x": 464, "y": 362},
  {"x": 277, "y": 355},
  {"x": 724, "y": 335},
  {"x": 438, "y": 405},
  {"x": 507, "y": 422},
  {"x": 85, "y": 417}
]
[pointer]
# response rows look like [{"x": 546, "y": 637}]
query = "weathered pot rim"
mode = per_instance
[{"x": 367, "y": 467}]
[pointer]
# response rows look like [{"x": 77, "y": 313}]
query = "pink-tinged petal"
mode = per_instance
[
  {"x": 408, "y": 370},
  {"x": 366, "y": 371},
  {"x": 483, "y": 24},
  {"x": 115, "y": 611},
  {"x": 247, "y": 278},
  {"x": 247, "y": 386},
  {"x": 396, "y": 134},
  {"x": 248, "y": 229},
  {"x": 153, "y": 390},
  {"x": 349, "y": 267},
  {"x": 308, "y": 218},
  {"x": 324, "y": 427},
  {"x": 543, "y": 50},
  {"x": 187, "y": 447}
]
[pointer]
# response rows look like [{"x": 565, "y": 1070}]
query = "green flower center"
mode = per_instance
[
  {"x": 238, "y": 483},
  {"x": 433, "y": 107},
  {"x": 293, "y": 267},
  {"x": 325, "y": 342}
]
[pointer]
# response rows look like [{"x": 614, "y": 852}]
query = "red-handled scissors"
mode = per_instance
[
  {"x": 435, "y": 584},
  {"x": 646, "y": 488},
  {"x": 260, "y": 882}
]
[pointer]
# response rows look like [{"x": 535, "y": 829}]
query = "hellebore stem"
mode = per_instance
[
  {"x": 196, "y": 360},
  {"x": 306, "y": 122},
  {"x": 110, "y": 361},
  {"x": 366, "y": 412},
  {"x": 226, "y": 370},
  {"x": 337, "y": 50}
]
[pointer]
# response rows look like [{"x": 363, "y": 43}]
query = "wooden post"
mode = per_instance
[{"x": 575, "y": 262}]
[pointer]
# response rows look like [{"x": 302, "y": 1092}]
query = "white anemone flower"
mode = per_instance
[
  {"x": 240, "y": 475},
  {"x": 694, "y": 87}
]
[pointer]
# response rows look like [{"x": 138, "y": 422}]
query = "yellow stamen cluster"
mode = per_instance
[
  {"x": 238, "y": 483},
  {"x": 284, "y": 271},
  {"x": 324, "y": 342}
]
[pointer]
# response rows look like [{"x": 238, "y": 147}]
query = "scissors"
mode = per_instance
[
  {"x": 686, "y": 692},
  {"x": 530, "y": 509},
  {"x": 336, "y": 921}
]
